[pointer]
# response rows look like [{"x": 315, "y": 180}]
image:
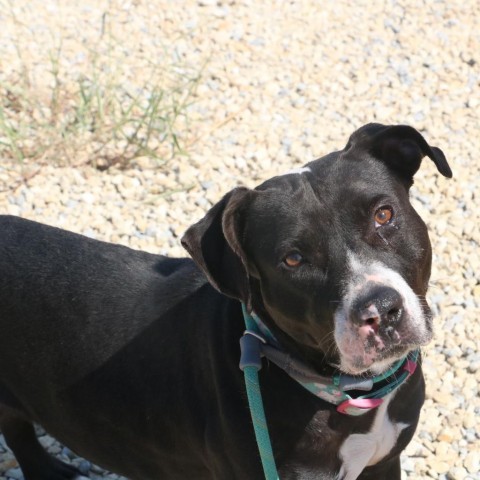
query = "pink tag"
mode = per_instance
[
  {"x": 410, "y": 366},
  {"x": 358, "y": 406}
]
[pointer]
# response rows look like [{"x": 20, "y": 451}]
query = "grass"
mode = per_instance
[{"x": 95, "y": 114}]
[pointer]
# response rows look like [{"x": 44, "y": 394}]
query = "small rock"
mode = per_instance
[
  {"x": 408, "y": 464},
  {"x": 8, "y": 464},
  {"x": 470, "y": 420},
  {"x": 14, "y": 473},
  {"x": 472, "y": 462},
  {"x": 438, "y": 466},
  {"x": 442, "y": 449},
  {"x": 66, "y": 452},
  {"x": 457, "y": 473},
  {"x": 84, "y": 466}
]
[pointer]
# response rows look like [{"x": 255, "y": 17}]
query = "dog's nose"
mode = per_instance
[{"x": 380, "y": 306}]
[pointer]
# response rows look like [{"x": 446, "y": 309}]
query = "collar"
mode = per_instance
[{"x": 352, "y": 395}]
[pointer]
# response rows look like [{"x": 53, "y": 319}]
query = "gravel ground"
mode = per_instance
[{"x": 286, "y": 82}]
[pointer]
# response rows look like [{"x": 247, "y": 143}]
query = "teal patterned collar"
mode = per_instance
[{"x": 344, "y": 391}]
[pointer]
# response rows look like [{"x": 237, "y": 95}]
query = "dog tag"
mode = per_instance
[{"x": 358, "y": 406}]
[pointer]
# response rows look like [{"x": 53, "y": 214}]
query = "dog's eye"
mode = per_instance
[
  {"x": 383, "y": 216},
  {"x": 293, "y": 259}
]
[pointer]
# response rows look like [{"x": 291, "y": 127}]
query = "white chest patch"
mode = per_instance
[{"x": 361, "y": 450}]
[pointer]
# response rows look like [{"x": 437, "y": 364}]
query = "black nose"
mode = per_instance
[{"x": 380, "y": 306}]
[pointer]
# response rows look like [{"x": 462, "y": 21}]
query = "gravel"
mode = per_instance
[{"x": 286, "y": 82}]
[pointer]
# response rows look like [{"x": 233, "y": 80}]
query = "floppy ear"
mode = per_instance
[
  {"x": 214, "y": 244},
  {"x": 400, "y": 147}
]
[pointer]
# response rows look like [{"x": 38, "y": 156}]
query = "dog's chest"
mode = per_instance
[{"x": 360, "y": 450}]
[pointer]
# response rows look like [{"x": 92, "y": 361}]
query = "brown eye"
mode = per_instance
[
  {"x": 293, "y": 259},
  {"x": 383, "y": 216}
]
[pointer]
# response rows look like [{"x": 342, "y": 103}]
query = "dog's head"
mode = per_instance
[{"x": 332, "y": 257}]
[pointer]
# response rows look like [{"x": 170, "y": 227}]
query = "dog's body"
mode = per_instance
[{"x": 131, "y": 359}]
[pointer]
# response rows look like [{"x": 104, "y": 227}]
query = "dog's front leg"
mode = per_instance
[{"x": 35, "y": 462}]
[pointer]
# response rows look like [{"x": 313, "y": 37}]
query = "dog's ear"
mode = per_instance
[
  {"x": 214, "y": 243},
  {"x": 400, "y": 147}
]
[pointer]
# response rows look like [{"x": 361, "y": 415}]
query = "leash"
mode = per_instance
[
  {"x": 251, "y": 363},
  {"x": 257, "y": 341}
]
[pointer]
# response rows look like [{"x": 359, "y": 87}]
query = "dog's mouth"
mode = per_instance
[
  {"x": 371, "y": 349},
  {"x": 369, "y": 364},
  {"x": 366, "y": 349},
  {"x": 365, "y": 361}
]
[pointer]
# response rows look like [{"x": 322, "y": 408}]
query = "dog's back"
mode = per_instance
[{"x": 53, "y": 281}]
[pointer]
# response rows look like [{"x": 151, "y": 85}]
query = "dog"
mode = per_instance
[{"x": 132, "y": 359}]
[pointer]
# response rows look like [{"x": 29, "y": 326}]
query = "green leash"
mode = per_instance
[{"x": 250, "y": 363}]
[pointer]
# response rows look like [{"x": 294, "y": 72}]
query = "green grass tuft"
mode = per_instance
[{"x": 97, "y": 114}]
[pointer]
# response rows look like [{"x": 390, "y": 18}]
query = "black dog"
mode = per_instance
[{"x": 131, "y": 359}]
